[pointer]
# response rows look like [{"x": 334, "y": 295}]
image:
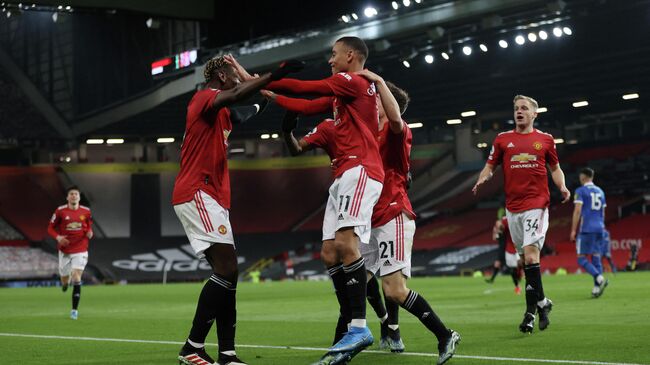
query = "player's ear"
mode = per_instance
[
  {"x": 350, "y": 55},
  {"x": 222, "y": 76}
]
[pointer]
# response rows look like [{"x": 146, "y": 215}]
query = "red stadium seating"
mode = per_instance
[{"x": 28, "y": 197}]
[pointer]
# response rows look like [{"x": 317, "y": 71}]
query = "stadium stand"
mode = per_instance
[
  {"x": 20, "y": 262},
  {"x": 8, "y": 233}
]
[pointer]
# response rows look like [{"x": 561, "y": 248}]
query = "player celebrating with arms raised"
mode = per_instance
[
  {"x": 201, "y": 200},
  {"x": 524, "y": 153}
]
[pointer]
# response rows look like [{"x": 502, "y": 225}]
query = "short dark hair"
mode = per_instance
[
  {"x": 588, "y": 172},
  {"x": 213, "y": 66},
  {"x": 400, "y": 95},
  {"x": 73, "y": 187},
  {"x": 356, "y": 44}
]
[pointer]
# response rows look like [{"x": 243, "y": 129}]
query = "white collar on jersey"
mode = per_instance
[{"x": 589, "y": 183}]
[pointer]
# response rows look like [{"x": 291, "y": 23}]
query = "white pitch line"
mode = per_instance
[{"x": 421, "y": 354}]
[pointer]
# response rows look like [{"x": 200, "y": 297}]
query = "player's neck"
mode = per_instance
[
  {"x": 73, "y": 206},
  {"x": 524, "y": 130}
]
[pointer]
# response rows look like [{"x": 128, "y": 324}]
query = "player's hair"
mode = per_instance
[
  {"x": 73, "y": 187},
  {"x": 400, "y": 95},
  {"x": 357, "y": 44},
  {"x": 588, "y": 172},
  {"x": 532, "y": 101},
  {"x": 213, "y": 66}
]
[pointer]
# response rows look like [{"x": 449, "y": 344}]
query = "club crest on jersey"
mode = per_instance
[
  {"x": 82, "y": 217},
  {"x": 222, "y": 229},
  {"x": 537, "y": 146},
  {"x": 523, "y": 157},
  {"x": 372, "y": 90}
]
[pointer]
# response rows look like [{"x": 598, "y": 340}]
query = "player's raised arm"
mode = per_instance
[
  {"x": 244, "y": 89},
  {"x": 388, "y": 101},
  {"x": 301, "y": 106},
  {"x": 558, "y": 178}
]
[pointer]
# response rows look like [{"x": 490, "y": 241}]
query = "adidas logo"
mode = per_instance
[
  {"x": 528, "y": 287},
  {"x": 511, "y": 145},
  {"x": 352, "y": 282},
  {"x": 387, "y": 263},
  {"x": 341, "y": 217},
  {"x": 169, "y": 259}
]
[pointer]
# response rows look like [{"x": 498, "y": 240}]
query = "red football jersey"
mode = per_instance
[
  {"x": 356, "y": 118},
  {"x": 395, "y": 150},
  {"x": 73, "y": 224},
  {"x": 204, "y": 163},
  {"x": 510, "y": 246},
  {"x": 524, "y": 158},
  {"x": 323, "y": 136}
]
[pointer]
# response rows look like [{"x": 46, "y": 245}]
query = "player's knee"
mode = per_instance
[
  {"x": 396, "y": 293},
  {"x": 582, "y": 260},
  {"x": 328, "y": 255}
]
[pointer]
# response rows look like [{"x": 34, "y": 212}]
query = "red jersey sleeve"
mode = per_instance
[
  {"x": 54, "y": 222},
  {"x": 551, "y": 153},
  {"x": 203, "y": 100},
  {"x": 319, "y": 135},
  {"x": 90, "y": 222},
  {"x": 496, "y": 153},
  {"x": 318, "y": 87},
  {"x": 304, "y": 106}
]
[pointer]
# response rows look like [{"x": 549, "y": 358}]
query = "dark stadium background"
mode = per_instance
[{"x": 87, "y": 75}]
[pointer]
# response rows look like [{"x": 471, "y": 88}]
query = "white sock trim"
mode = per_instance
[
  {"x": 383, "y": 319},
  {"x": 542, "y": 302},
  {"x": 358, "y": 323},
  {"x": 229, "y": 353},
  {"x": 393, "y": 327},
  {"x": 196, "y": 344}
]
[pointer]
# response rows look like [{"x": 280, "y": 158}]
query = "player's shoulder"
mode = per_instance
[
  {"x": 346, "y": 76},
  {"x": 84, "y": 207},
  {"x": 506, "y": 134},
  {"x": 61, "y": 207},
  {"x": 545, "y": 135}
]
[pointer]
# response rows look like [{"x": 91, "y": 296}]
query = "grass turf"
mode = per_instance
[{"x": 614, "y": 328}]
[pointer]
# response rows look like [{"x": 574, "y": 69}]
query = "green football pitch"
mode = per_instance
[{"x": 293, "y": 322}]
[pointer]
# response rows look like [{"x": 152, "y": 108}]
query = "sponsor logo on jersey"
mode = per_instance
[
  {"x": 537, "y": 145},
  {"x": 222, "y": 229},
  {"x": 341, "y": 217},
  {"x": 523, "y": 157},
  {"x": 511, "y": 145},
  {"x": 73, "y": 226},
  {"x": 387, "y": 263},
  {"x": 67, "y": 217}
]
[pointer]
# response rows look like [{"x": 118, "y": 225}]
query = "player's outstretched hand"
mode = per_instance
[
  {"x": 566, "y": 194},
  {"x": 480, "y": 182},
  {"x": 239, "y": 69},
  {"x": 370, "y": 76},
  {"x": 268, "y": 94},
  {"x": 89, "y": 234},
  {"x": 290, "y": 121},
  {"x": 287, "y": 67},
  {"x": 572, "y": 236}
]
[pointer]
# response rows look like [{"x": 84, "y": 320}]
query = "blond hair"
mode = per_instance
[
  {"x": 530, "y": 100},
  {"x": 212, "y": 66}
]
